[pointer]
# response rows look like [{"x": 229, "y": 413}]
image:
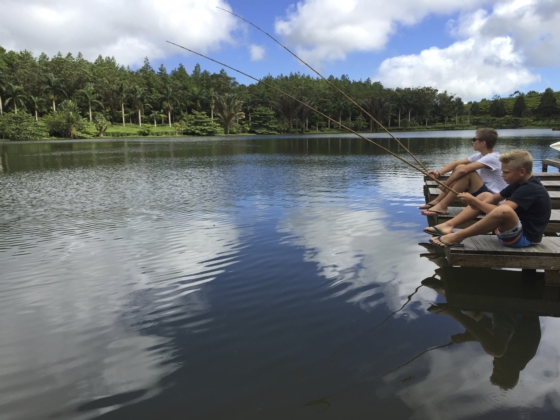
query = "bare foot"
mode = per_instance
[
  {"x": 435, "y": 211},
  {"x": 439, "y": 230},
  {"x": 427, "y": 206},
  {"x": 451, "y": 239}
]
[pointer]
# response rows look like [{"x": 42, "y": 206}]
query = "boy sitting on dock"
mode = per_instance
[
  {"x": 478, "y": 173},
  {"x": 520, "y": 220}
]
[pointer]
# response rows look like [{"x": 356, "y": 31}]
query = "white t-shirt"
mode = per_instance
[{"x": 492, "y": 173}]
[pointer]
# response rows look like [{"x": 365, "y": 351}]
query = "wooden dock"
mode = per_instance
[
  {"x": 550, "y": 162},
  {"x": 486, "y": 251},
  {"x": 491, "y": 290}
]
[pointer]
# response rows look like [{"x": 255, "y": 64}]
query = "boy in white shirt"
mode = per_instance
[{"x": 481, "y": 172}]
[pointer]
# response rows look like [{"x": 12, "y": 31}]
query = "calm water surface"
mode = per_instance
[{"x": 241, "y": 278}]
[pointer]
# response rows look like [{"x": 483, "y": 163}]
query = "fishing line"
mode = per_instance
[
  {"x": 318, "y": 112},
  {"x": 330, "y": 83}
]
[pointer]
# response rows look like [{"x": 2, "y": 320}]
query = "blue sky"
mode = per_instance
[{"x": 472, "y": 48}]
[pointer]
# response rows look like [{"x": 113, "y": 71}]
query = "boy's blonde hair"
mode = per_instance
[
  {"x": 517, "y": 159},
  {"x": 489, "y": 135}
]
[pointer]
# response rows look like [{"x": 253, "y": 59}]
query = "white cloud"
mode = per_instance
[
  {"x": 127, "y": 29},
  {"x": 495, "y": 50},
  {"x": 494, "y": 53},
  {"x": 257, "y": 52},
  {"x": 472, "y": 69},
  {"x": 532, "y": 25},
  {"x": 346, "y": 245},
  {"x": 330, "y": 29}
]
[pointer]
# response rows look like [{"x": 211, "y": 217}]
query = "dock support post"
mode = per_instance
[
  {"x": 528, "y": 275},
  {"x": 551, "y": 284}
]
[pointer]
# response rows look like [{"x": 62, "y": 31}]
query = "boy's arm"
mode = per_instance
[
  {"x": 449, "y": 167},
  {"x": 484, "y": 206}
]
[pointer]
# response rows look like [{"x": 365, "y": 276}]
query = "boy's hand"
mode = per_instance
[
  {"x": 435, "y": 174},
  {"x": 466, "y": 198}
]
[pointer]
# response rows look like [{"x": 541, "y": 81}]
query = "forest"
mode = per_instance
[{"x": 70, "y": 97}]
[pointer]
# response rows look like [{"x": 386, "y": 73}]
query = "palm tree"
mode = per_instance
[
  {"x": 14, "y": 94},
  {"x": 91, "y": 98},
  {"x": 122, "y": 94},
  {"x": 196, "y": 97},
  {"x": 168, "y": 98},
  {"x": 36, "y": 101},
  {"x": 53, "y": 87},
  {"x": 248, "y": 107},
  {"x": 304, "y": 113},
  {"x": 211, "y": 96},
  {"x": 2, "y": 85},
  {"x": 138, "y": 97},
  {"x": 228, "y": 108},
  {"x": 288, "y": 107},
  {"x": 409, "y": 101}
]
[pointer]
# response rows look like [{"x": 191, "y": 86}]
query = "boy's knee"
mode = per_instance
[{"x": 504, "y": 211}]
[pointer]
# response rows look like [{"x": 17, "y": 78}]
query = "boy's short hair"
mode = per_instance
[
  {"x": 517, "y": 159},
  {"x": 489, "y": 135}
]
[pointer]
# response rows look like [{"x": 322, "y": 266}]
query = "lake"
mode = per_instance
[{"x": 245, "y": 278}]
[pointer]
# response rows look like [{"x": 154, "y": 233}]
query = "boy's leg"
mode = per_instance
[
  {"x": 502, "y": 217},
  {"x": 469, "y": 213},
  {"x": 443, "y": 194},
  {"x": 472, "y": 182}
]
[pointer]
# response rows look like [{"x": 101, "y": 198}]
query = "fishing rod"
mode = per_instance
[
  {"x": 330, "y": 83},
  {"x": 424, "y": 172}
]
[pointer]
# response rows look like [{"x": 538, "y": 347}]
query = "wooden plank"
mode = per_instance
[
  {"x": 551, "y": 185},
  {"x": 552, "y": 176},
  {"x": 505, "y": 261},
  {"x": 551, "y": 243},
  {"x": 489, "y": 244}
]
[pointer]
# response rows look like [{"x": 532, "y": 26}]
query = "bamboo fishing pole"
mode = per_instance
[
  {"x": 317, "y": 111},
  {"x": 330, "y": 83}
]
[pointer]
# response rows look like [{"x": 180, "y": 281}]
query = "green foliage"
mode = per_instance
[
  {"x": 263, "y": 121},
  {"x": 497, "y": 108},
  {"x": 101, "y": 124},
  {"x": 519, "y": 107},
  {"x": 125, "y": 96},
  {"x": 67, "y": 122},
  {"x": 475, "y": 109},
  {"x": 228, "y": 109},
  {"x": 200, "y": 124},
  {"x": 22, "y": 126},
  {"x": 145, "y": 130},
  {"x": 548, "y": 106},
  {"x": 180, "y": 126}
]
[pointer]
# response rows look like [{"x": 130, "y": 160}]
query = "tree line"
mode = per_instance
[{"x": 67, "y": 96}]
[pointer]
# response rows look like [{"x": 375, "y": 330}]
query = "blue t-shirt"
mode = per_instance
[{"x": 533, "y": 206}]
